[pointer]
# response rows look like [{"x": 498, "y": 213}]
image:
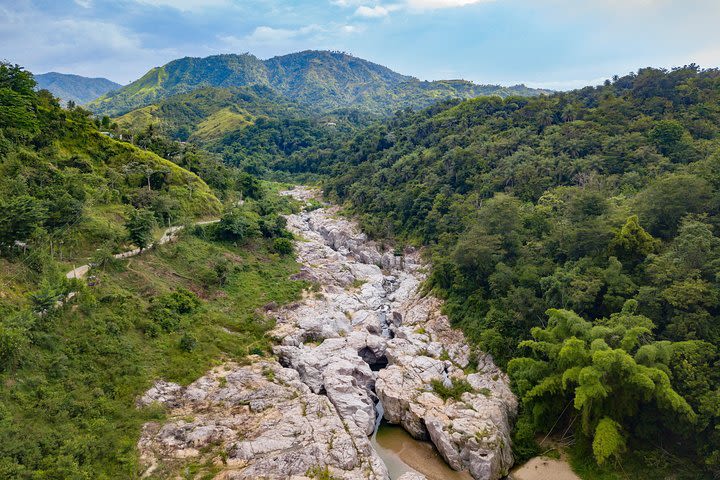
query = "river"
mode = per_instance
[{"x": 363, "y": 336}]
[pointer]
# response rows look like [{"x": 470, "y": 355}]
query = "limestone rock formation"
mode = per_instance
[
  {"x": 362, "y": 334},
  {"x": 256, "y": 421}
]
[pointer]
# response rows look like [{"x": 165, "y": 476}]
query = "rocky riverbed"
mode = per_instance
[{"x": 362, "y": 335}]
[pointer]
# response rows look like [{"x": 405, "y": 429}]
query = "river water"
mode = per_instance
[{"x": 402, "y": 453}]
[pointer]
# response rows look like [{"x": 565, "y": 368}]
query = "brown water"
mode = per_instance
[{"x": 402, "y": 453}]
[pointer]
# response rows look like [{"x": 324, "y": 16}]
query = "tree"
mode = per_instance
[
  {"x": 146, "y": 170},
  {"x": 632, "y": 243},
  {"x": 239, "y": 224},
  {"x": 46, "y": 297},
  {"x": 188, "y": 342},
  {"x": 477, "y": 253},
  {"x": 16, "y": 78},
  {"x": 607, "y": 370},
  {"x": 17, "y": 96},
  {"x": 668, "y": 138},
  {"x": 14, "y": 339},
  {"x": 666, "y": 200},
  {"x": 19, "y": 217},
  {"x": 140, "y": 226},
  {"x": 283, "y": 246}
]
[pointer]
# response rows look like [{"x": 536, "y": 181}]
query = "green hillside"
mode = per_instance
[
  {"x": 601, "y": 202},
  {"x": 207, "y": 114},
  {"x": 249, "y": 127},
  {"x": 62, "y": 179},
  {"x": 69, "y": 195},
  {"x": 323, "y": 80}
]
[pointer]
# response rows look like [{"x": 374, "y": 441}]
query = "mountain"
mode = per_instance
[
  {"x": 325, "y": 80},
  {"x": 253, "y": 127},
  {"x": 74, "y": 87}
]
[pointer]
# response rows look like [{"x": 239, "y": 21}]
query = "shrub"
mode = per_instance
[
  {"x": 454, "y": 391},
  {"x": 283, "y": 246},
  {"x": 239, "y": 224},
  {"x": 166, "y": 310},
  {"x": 188, "y": 342}
]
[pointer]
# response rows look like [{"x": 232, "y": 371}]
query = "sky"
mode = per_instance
[{"x": 557, "y": 44}]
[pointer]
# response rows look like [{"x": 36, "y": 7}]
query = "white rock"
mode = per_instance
[
  {"x": 412, "y": 476},
  {"x": 318, "y": 408}
]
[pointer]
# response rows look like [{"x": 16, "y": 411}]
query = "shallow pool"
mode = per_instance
[{"x": 402, "y": 453}]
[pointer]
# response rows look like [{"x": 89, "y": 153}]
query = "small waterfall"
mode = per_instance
[{"x": 379, "y": 413}]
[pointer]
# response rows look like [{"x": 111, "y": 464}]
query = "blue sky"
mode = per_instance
[{"x": 545, "y": 43}]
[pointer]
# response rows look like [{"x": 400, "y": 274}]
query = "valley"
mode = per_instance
[{"x": 312, "y": 266}]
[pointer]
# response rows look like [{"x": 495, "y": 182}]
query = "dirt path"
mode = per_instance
[{"x": 168, "y": 235}]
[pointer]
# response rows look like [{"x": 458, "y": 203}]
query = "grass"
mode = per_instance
[
  {"x": 454, "y": 391},
  {"x": 67, "y": 407},
  {"x": 220, "y": 123},
  {"x": 357, "y": 283},
  {"x": 319, "y": 473}
]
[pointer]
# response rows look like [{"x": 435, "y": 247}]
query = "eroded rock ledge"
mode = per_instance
[{"x": 365, "y": 334}]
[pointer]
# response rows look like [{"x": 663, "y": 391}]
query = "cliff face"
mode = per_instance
[{"x": 365, "y": 335}]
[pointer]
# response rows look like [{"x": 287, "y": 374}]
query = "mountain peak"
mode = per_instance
[{"x": 324, "y": 79}]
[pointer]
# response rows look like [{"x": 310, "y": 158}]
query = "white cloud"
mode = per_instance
[
  {"x": 377, "y": 11},
  {"x": 186, "y": 5},
  {"x": 352, "y": 28},
  {"x": 265, "y": 40},
  {"x": 348, "y": 3},
  {"x": 84, "y": 3},
  {"x": 263, "y": 34},
  {"x": 437, "y": 4},
  {"x": 76, "y": 45}
]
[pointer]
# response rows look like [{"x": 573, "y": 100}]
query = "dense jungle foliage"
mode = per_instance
[
  {"x": 600, "y": 204},
  {"x": 574, "y": 236}
]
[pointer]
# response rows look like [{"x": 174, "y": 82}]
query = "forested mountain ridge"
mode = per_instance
[
  {"x": 324, "y": 80},
  {"x": 599, "y": 206},
  {"x": 75, "y": 88},
  {"x": 575, "y": 237}
]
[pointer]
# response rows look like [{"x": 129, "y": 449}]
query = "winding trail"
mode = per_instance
[
  {"x": 168, "y": 235},
  {"x": 362, "y": 341}
]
